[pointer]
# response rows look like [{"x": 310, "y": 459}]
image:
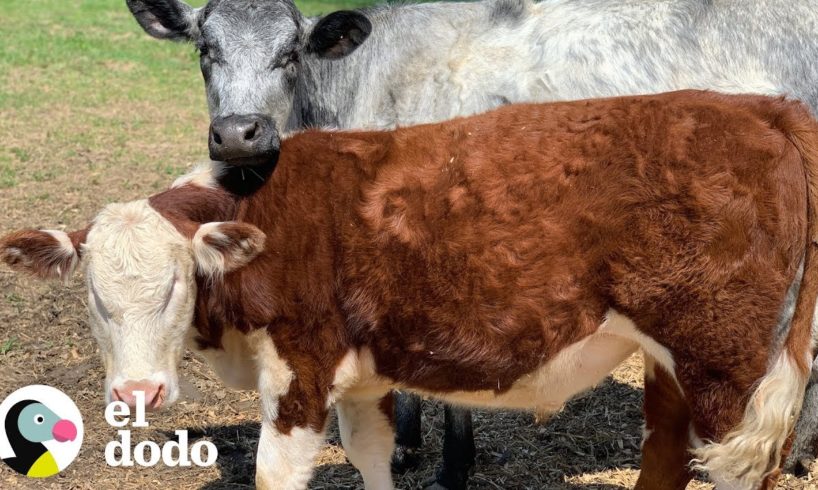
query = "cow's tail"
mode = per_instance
[{"x": 752, "y": 450}]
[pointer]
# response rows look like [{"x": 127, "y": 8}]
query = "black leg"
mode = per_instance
[
  {"x": 407, "y": 439},
  {"x": 806, "y": 430},
  {"x": 458, "y": 450}
]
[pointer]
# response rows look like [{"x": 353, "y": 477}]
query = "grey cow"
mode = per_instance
[{"x": 270, "y": 70}]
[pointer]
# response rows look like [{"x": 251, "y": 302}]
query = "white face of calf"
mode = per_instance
[
  {"x": 141, "y": 294},
  {"x": 141, "y": 278}
]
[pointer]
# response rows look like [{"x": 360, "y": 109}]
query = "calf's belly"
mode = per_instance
[{"x": 576, "y": 368}]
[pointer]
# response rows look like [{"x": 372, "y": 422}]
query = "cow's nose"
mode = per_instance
[
  {"x": 243, "y": 139},
  {"x": 154, "y": 393}
]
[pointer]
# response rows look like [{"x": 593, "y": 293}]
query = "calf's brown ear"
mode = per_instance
[
  {"x": 47, "y": 254},
  {"x": 222, "y": 247}
]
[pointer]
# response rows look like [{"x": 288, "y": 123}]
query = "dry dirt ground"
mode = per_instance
[{"x": 92, "y": 112}]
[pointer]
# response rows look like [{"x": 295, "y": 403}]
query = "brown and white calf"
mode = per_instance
[{"x": 507, "y": 260}]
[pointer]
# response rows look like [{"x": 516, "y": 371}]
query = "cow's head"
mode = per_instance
[
  {"x": 141, "y": 278},
  {"x": 250, "y": 53}
]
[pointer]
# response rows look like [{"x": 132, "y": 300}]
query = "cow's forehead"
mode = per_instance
[
  {"x": 134, "y": 240},
  {"x": 259, "y": 18}
]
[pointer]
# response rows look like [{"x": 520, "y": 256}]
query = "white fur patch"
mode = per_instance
[
  {"x": 646, "y": 433},
  {"x": 346, "y": 375},
  {"x": 209, "y": 261},
  {"x": 67, "y": 252},
  {"x": 576, "y": 368},
  {"x": 203, "y": 175},
  {"x": 368, "y": 440},
  {"x": 284, "y": 461},
  {"x": 142, "y": 271},
  {"x": 621, "y": 325},
  {"x": 274, "y": 375},
  {"x": 234, "y": 363}
]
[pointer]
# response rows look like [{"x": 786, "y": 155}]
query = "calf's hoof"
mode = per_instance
[
  {"x": 448, "y": 479},
  {"x": 404, "y": 459},
  {"x": 433, "y": 485}
]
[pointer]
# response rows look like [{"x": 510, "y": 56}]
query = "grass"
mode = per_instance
[
  {"x": 8, "y": 346},
  {"x": 83, "y": 87},
  {"x": 8, "y": 175}
]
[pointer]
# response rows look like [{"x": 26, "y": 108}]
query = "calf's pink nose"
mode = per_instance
[
  {"x": 64, "y": 430},
  {"x": 154, "y": 393}
]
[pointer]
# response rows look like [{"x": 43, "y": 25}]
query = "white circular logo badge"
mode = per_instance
[{"x": 40, "y": 431}]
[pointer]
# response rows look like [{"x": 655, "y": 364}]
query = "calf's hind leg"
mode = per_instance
[
  {"x": 805, "y": 445},
  {"x": 665, "y": 455}
]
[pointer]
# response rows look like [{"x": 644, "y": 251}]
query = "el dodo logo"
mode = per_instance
[{"x": 41, "y": 431}]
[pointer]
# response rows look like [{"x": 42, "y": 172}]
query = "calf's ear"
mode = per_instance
[
  {"x": 165, "y": 19},
  {"x": 339, "y": 34},
  {"x": 222, "y": 247},
  {"x": 47, "y": 254}
]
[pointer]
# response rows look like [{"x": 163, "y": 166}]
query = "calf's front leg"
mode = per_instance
[
  {"x": 284, "y": 460},
  {"x": 368, "y": 437},
  {"x": 293, "y": 420}
]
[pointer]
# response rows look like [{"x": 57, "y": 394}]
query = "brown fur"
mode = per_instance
[
  {"x": 665, "y": 455},
  {"x": 485, "y": 245},
  {"x": 466, "y": 254},
  {"x": 44, "y": 255}
]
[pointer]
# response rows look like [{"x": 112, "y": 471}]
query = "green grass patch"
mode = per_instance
[
  {"x": 9, "y": 345},
  {"x": 8, "y": 175},
  {"x": 105, "y": 98}
]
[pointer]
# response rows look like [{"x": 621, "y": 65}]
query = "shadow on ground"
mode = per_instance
[{"x": 598, "y": 432}]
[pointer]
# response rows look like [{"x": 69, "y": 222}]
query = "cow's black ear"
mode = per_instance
[
  {"x": 338, "y": 34},
  {"x": 165, "y": 19}
]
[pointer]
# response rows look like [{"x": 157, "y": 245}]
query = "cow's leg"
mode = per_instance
[
  {"x": 284, "y": 460},
  {"x": 665, "y": 455},
  {"x": 805, "y": 445},
  {"x": 458, "y": 450},
  {"x": 368, "y": 437},
  {"x": 293, "y": 420},
  {"x": 408, "y": 439}
]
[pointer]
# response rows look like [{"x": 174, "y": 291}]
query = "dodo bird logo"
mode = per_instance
[{"x": 42, "y": 431}]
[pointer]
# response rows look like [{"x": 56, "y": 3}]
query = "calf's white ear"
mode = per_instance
[
  {"x": 222, "y": 247},
  {"x": 47, "y": 254}
]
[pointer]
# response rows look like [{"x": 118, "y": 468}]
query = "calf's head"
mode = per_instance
[
  {"x": 250, "y": 56},
  {"x": 141, "y": 280}
]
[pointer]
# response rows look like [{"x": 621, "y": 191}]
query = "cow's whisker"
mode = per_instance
[{"x": 256, "y": 174}]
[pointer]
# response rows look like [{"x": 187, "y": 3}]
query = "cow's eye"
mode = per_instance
[
  {"x": 287, "y": 60},
  {"x": 103, "y": 312},
  {"x": 170, "y": 292}
]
